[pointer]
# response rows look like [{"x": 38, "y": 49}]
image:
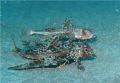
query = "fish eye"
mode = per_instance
[
  {"x": 86, "y": 49},
  {"x": 83, "y": 32}
]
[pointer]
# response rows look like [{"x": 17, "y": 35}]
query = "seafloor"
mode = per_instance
[{"x": 102, "y": 16}]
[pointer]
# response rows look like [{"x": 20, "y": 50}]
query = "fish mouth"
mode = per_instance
[
  {"x": 90, "y": 54},
  {"x": 84, "y": 36},
  {"x": 88, "y": 36}
]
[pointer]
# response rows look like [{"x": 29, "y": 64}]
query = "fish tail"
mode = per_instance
[
  {"x": 31, "y": 31},
  {"x": 26, "y": 66}
]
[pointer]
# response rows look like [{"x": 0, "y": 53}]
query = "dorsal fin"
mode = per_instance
[
  {"x": 67, "y": 23},
  {"x": 14, "y": 43},
  {"x": 16, "y": 48},
  {"x": 53, "y": 41}
]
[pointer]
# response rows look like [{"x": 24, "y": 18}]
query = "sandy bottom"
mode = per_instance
[{"x": 103, "y": 17}]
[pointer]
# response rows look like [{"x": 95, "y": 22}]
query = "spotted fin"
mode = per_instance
[
  {"x": 33, "y": 64},
  {"x": 67, "y": 23}
]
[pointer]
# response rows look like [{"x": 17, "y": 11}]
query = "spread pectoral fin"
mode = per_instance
[{"x": 26, "y": 66}]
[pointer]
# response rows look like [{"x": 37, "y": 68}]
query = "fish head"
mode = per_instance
[
  {"x": 83, "y": 51},
  {"x": 83, "y": 33},
  {"x": 86, "y": 50}
]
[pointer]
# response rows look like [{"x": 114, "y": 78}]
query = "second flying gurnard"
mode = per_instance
[{"x": 78, "y": 32}]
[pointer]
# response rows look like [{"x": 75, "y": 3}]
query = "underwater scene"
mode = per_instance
[{"x": 60, "y": 42}]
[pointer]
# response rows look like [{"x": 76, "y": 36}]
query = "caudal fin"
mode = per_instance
[{"x": 31, "y": 32}]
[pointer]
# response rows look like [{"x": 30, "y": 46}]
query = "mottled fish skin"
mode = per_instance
[
  {"x": 57, "y": 60},
  {"x": 45, "y": 62}
]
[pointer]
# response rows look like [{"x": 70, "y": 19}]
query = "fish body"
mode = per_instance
[
  {"x": 78, "y": 32},
  {"x": 47, "y": 33},
  {"x": 56, "y": 54}
]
